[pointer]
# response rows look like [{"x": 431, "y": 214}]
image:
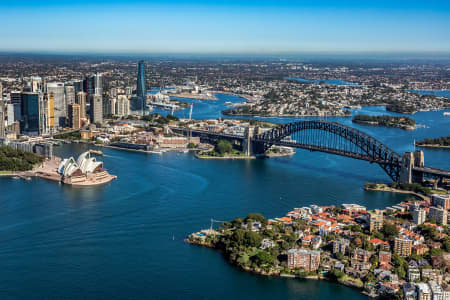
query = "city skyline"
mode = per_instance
[{"x": 226, "y": 26}]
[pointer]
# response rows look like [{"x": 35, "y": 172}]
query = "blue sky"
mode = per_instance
[{"x": 220, "y": 26}]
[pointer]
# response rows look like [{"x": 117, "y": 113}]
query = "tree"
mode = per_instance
[
  {"x": 339, "y": 256},
  {"x": 238, "y": 236},
  {"x": 369, "y": 277},
  {"x": 237, "y": 222},
  {"x": 378, "y": 235},
  {"x": 447, "y": 244},
  {"x": 355, "y": 228},
  {"x": 390, "y": 230},
  {"x": 436, "y": 252},
  {"x": 263, "y": 258},
  {"x": 256, "y": 217},
  {"x": 252, "y": 239},
  {"x": 401, "y": 271},
  {"x": 335, "y": 274},
  {"x": 191, "y": 146},
  {"x": 223, "y": 147},
  {"x": 269, "y": 233},
  {"x": 429, "y": 232},
  {"x": 398, "y": 260}
]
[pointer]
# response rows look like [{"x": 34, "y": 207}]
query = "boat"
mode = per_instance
[
  {"x": 228, "y": 103},
  {"x": 446, "y": 113},
  {"x": 96, "y": 152}
]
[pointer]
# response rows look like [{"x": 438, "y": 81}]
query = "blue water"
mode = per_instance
[
  {"x": 124, "y": 240},
  {"x": 438, "y": 93}
]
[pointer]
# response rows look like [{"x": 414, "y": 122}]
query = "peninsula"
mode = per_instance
[
  {"x": 12, "y": 160},
  {"x": 381, "y": 252},
  {"x": 442, "y": 142}
]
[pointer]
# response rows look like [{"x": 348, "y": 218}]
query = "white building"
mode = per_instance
[
  {"x": 122, "y": 106},
  {"x": 419, "y": 216},
  {"x": 424, "y": 292}
]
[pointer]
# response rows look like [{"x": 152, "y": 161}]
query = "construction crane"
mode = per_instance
[{"x": 212, "y": 222}]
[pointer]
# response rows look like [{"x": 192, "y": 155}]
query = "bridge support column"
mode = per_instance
[
  {"x": 409, "y": 161},
  {"x": 247, "y": 142}
]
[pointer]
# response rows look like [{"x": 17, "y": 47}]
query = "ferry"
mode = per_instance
[{"x": 96, "y": 152}]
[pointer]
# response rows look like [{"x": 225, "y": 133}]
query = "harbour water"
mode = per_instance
[{"x": 124, "y": 240}]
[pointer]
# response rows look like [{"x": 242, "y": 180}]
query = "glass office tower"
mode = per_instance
[
  {"x": 141, "y": 90},
  {"x": 30, "y": 113}
]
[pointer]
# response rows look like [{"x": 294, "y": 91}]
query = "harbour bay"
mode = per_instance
[{"x": 125, "y": 239}]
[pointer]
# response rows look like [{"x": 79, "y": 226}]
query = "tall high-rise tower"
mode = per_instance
[
  {"x": 50, "y": 110},
  {"x": 96, "y": 109},
  {"x": 74, "y": 116},
  {"x": 30, "y": 113},
  {"x": 81, "y": 100},
  {"x": 2, "y": 118},
  {"x": 60, "y": 103},
  {"x": 141, "y": 90}
]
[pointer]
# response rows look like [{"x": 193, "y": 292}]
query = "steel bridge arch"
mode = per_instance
[{"x": 370, "y": 148}]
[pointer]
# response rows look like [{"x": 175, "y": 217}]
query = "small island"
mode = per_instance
[
  {"x": 442, "y": 142},
  {"x": 386, "y": 121}
]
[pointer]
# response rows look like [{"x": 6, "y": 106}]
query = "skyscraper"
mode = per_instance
[
  {"x": 93, "y": 84},
  {"x": 2, "y": 118},
  {"x": 60, "y": 104},
  {"x": 98, "y": 84},
  {"x": 70, "y": 94},
  {"x": 50, "y": 110},
  {"x": 78, "y": 85},
  {"x": 141, "y": 90},
  {"x": 30, "y": 113},
  {"x": 36, "y": 84},
  {"x": 12, "y": 114},
  {"x": 16, "y": 97},
  {"x": 74, "y": 116},
  {"x": 81, "y": 100},
  {"x": 96, "y": 112}
]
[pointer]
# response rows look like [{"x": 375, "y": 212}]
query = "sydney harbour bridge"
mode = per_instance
[{"x": 329, "y": 137}]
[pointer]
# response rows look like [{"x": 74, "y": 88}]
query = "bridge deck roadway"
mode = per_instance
[
  {"x": 433, "y": 171},
  {"x": 361, "y": 156}
]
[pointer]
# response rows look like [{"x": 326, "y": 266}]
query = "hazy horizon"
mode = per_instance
[{"x": 226, "y": 27}]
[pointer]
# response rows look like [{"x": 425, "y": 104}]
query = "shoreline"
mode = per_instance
[
  {"x": 396, "y": 191},
  {"x": 379, "y": 125},
  {"x": 279, "y": 274},
  {"x": 161, "y": 151},
  {"x": 194, "y": 96},
  {"x": 433, "y": 146},
  {"x": 283, "y": 115},
  {"x": 200, "y": 156},
  {"x": 245, "y": 96}
]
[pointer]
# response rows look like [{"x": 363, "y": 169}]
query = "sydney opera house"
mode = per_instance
[{"x": 86, "y": 170}]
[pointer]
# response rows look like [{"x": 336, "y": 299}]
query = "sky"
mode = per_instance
[{"x": 120, "y": 26}]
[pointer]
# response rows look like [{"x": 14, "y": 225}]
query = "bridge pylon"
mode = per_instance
[
  {"x": 409, "y": 161},
  {"x": 250, "y": 147}
]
